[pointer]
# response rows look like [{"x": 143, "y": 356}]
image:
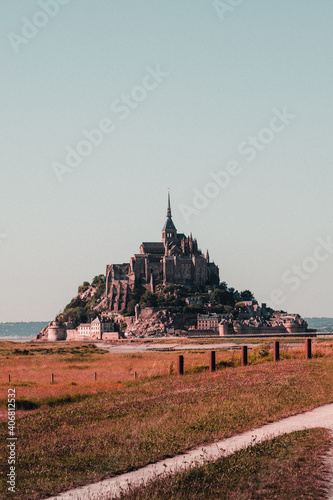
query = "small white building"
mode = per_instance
[
  {"x": 208, "y": 321},
  {"x": 194, "y": 300},
  {"x": 83, "y": 330},
  {"x": 98, "y": 328}
]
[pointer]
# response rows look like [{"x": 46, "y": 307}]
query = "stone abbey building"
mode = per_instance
[{"x": 176, "y": 259}]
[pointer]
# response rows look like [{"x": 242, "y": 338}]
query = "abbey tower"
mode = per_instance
[{"x": 176, "y": 259}]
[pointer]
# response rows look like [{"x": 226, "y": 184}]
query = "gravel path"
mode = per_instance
[
  {"x": 130, "y": 348},
  {"x": 147, "y": 347},
  {"x": 110, "y": 488}
]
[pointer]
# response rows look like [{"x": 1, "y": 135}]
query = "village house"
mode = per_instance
[
  {"x": 208, "y": 321},
  {"x": 96, "y": 330}
]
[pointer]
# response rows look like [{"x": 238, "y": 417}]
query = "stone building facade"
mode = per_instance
[
  {"x": 208, "y": 321},
  {"x": 278, "y": 324},
  {"x": 96, "y": 330},
  {"x": 176, "y": 259}
]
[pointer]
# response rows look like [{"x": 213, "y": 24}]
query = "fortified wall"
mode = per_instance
[{"x": 96, "y": 330}]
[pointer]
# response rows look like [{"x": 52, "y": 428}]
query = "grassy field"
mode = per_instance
[
  {"x": 289, "y": 467},
  {"x": 78, "y": 431},
  {"x": 30, "y": 367}
]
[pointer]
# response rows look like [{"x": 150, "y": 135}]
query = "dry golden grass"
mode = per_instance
[
  {"x": 133, "y": 423},
  {"x": 289, "y": 467},
  {"x": 75, "y": 374},
  {"x": 74, "y": 366}
]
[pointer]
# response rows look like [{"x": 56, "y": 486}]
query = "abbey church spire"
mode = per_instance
[
  {"x": 169, "y": 206},
  {"x": 169, "y": 231},
  {"x": 169, "y": 222}
]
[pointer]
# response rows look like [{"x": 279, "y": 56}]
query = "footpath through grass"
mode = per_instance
[
  {"x": 288, "y": 467},
  {"x": 79, "y": 442}
]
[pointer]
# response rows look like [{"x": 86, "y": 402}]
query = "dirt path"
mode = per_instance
[
  {"x": 110, "y": 488},
  {"x": 132, "y": 348},
  {"x": 149, "y": 347}
]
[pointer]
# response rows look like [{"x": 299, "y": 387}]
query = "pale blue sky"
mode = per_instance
[{"x": 225, "y": 77}]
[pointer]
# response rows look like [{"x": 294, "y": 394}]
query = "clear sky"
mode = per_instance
[{"x": 183, "y": 91}]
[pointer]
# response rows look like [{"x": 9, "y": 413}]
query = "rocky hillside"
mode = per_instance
[
  {"x": 170, "y": 308},
  {"x": 89, "y": 301},
  {"x": 158, "y": 322}
]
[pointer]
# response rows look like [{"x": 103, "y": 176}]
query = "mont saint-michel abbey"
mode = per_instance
[{"x": 174, "y": 260}]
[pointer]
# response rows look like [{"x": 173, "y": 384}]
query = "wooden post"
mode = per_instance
[
  {"x": 9, "y": 378},
  {"x": 180, "y": 364},
  {"x": 276, "y": 350},
  {"x": 244, "y": 355},
  {"x": 52, "y": 379},
  {"x": 212, "y": 361},
  {"x": 135, "y": 375},
  {"x": 95, "y": 376},
  {"x": 308, "y": 353}
]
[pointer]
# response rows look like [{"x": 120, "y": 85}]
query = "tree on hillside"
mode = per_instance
[
  {"x": 130, "y": 309},
  {"x": 98, "y": 280},
  {"x": 193, "y": 309},
  {"x": 223, "y": 297},
  {"x": 148, "y": 299},
  {"x": 246, "y": 295}
]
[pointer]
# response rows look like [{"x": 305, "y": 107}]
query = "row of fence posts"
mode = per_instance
[
  {"x": 212, "y": 359},
  {"x": 52, "y": 377},
  {"x": 244, "y": 359}
]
